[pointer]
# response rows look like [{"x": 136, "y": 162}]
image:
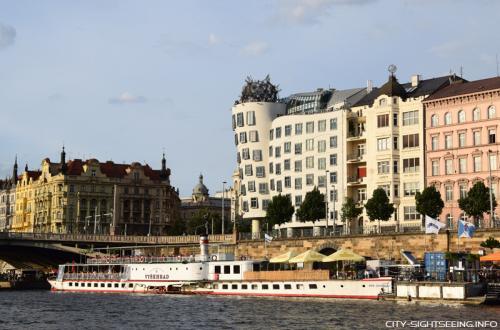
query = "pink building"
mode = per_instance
[{"x": 462, "y": 122}]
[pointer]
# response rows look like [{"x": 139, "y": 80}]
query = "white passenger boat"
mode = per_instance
[{"x": 205, "y": 274}]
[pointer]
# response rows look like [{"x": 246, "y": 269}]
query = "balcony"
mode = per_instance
[
  {"x": 356, "y": 136},
  {"x": 354, "y": 180},
  {"x": 356, "y": 158}
]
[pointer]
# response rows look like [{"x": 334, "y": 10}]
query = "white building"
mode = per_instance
[{"x": 290, "y": 146}]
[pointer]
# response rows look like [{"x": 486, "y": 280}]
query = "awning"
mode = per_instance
[
  {"x": 491, "y": 257},
  {"x": 343, "y": 255},
  {"x": 308, "y": 256},
  {"x": 283, "y": 258}
]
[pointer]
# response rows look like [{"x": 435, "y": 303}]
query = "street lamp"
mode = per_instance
[{"x": 223, "y": 189}]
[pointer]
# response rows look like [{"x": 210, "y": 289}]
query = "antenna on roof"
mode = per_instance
[{"x": 461, "y": 71}]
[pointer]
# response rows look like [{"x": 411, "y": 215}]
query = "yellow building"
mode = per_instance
[{"x": 90, "y": 197}]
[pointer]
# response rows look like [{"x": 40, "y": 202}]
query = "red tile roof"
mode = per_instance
[{"x": 464, "y": 88}]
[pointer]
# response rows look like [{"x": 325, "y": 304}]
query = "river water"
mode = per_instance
[{"x": 51, "y": 310}]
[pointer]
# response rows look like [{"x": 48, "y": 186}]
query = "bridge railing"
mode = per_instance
[
  {"x": 185, "y": 239},
  {"x": 141, "y": 259},
  {"x": 93, "y": 276}
]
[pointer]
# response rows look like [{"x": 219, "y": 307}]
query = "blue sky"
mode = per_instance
[{"x": 123, "y": 80}]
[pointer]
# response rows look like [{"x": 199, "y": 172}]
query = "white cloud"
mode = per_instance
[
  {"x": 310, "y": 11},
  {"x": 213, "y": 39},
  {"x": 255, "y": 48},
  {"x": 127, "y": 98},
  {"x": 7, "y": 36}
]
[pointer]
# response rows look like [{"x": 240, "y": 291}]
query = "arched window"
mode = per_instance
[
  {"x": 461, "y": 116},
  {"x": 447, "y": 118},
  {"x": 434, "y": 121},
  {"x": 492, "y": 113},
  {"x": 476, "y": 115}
]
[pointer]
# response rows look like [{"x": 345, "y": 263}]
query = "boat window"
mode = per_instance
[
  {"x": 186, "y": 268},
  {"x": 254, "y": 287},
  {"x": 216, "y": 286},
  {"x": 70, "y": 283},
  {"x": 116, "y": 285},
  {"x": 234, "y": 286},
  {"x": 123, "y": 285},
  {"x": 76, "y": 283},
  {"x": 89, "y": 285},
  {"x": 217, "y": 269},
  {"x": 130, "y": 285},
  {"x": 288, "y": 287},
  {"x": 300, "y": 286},
  {"x": 276, "y": 286},
  {"x": 313, "y": 286},
  {"x": 224, "y": 286},
  {"x": 244, "y": 286},
  {"x": 102, "y": 285},
  {"x": 109, "y": 285},
  {"x": 227, "y": 269},
  {"x": 265, "y": 286},
  {"x": 236, "y": 269},
  {"x": 96, "y": 285},
  {"x": 256, "y": 267}
]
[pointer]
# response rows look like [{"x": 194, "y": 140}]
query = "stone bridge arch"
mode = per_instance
[{"x": 327, "y": 248}]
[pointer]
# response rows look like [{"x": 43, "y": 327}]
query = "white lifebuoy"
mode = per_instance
[{"x": 214, "y": 257}]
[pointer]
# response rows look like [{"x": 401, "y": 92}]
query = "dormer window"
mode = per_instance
[
  {"x": 92, "y": 173},
  {"x": 136, "y": 176}
]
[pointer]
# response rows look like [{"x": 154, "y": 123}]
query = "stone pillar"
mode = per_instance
[
  {"x": 316, "y": 231},
  {"x": 255, "y": 228},
  {"x": 289, "y": 232}
]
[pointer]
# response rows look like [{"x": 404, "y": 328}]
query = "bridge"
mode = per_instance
[{"x": 42, "y": 250}]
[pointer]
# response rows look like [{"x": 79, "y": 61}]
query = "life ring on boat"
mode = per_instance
[
  {"x": 141, "y": 259},
  {"x": 214, "y": 257}
]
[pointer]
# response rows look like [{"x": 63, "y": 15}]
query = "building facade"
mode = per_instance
[
  {"x": 461, "y": 127},
  {"x": 290, "y": 146},
  {"x": 201, "y": 201},
  {"x": 90, "y": 197},
  {"x": 8, "y": 199},
  {"x": 388, "y": 128}
]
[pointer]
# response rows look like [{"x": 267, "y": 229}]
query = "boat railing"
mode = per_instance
[
  {"x": 141, "y": 259},
  {"x": 93, "y": 276}
]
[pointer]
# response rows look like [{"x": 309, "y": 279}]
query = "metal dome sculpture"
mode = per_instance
[{"x": 258, "y": 91}]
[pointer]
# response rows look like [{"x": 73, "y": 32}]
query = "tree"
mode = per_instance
[
  {"x": 196, "y": 223},
  {"x": 349, "y": 211},
  {"x": 279, "y": 210},
  {"x": 429, "y": 202},
  {"x": 491, "y": 243},
  {"x": 378, "y": 207},
  {"x": 313, "y": 206},
  {"x": 477, "y": 201}
]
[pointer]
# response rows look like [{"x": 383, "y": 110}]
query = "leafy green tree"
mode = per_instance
[
  {"x": 378, "y": 207},
  {"x": 491, "y": 243},
  {"x": 279, "y": 210},
  {"x": 313, "y": 206},
  {"x": 477, "y": 201},
  {"x": 350, "y": 211},
  {"x": 196, "y": 223},
  {"x": 429, "y": 202}
]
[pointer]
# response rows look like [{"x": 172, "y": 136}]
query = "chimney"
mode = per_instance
[
  {"x": 369, "y": 86},
  {"x": 415, "y": 80}
]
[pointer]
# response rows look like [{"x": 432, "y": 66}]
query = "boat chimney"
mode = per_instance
[
  {"x": 204, "y": 247},
  {"x": 369, "y": 86}
]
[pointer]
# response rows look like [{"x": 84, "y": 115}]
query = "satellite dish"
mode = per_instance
[{"x": 392, "y": 69}]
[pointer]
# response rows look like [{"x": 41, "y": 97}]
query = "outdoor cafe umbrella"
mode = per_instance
[
  {"x": 308, "y": 256},
  {"x": 491, "y": 257},
  {"x": 283, "y": 258},
  {"x": 344, "y": 255}
]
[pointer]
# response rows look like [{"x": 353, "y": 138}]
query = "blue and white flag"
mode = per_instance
[
  {"x": 432, "y": 226},
  {"x": 268, "y": 238},
  {"x": 465, "y": 229}
]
